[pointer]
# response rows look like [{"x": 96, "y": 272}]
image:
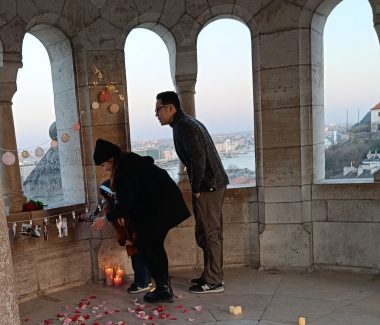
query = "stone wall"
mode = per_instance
[
  {"x": 42, "y": 266},
  {"x": 346, "y": 225}
]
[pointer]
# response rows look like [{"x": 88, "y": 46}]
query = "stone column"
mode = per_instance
[
  {"x": 10, "y": 177},
  {"x": 9, "y": 313}
]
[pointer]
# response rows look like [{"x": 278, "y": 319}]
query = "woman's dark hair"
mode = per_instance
[{"x": 169, "y": 97}]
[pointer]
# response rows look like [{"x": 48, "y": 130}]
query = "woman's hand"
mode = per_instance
[
  {"x": 99, "y": 223},
  {"x": 121, "y": 222}
]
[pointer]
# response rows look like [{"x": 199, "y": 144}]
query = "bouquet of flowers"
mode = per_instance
[{"x": 32, "y": 205}]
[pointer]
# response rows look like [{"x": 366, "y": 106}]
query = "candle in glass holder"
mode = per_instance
[
  {"x": 117, "y": 281},
  {"x": 108, "y": 271}
]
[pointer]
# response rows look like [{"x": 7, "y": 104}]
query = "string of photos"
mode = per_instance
[
  {"x": 33, "y": 228},
  {"x": 105, "y": 98}
]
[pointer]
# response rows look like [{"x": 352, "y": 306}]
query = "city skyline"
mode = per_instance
[{"x": 148, "y": 72}]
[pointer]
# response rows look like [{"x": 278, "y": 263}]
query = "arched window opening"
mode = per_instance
[
  {"x": 148, "y": 73},
  {"x": 45, "y": 115},
  {"x": 351, "y": 94},
  {"x": 224, "y": 96}
]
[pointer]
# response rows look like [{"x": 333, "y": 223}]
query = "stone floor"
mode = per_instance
[{"x": 266, "y": 298}]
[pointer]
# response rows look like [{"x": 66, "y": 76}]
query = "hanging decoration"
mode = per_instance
[
  {"x": 25, "y": 154},
  {"x": 45, "y": 228},
  {"x": 95, "y": 105},
  {"x": 59, "y": 225},
  {"x": 104, "y": 96},
  {"x": 54, "y": 144},
  {"x": 76, "y": 127},
  {"x": 8, "y": 158},
  {"x": 107, "y": 88},
  {"x": 65, "y": 137},
  {"x": 39, "y": 152},
  {"x": 14, "y": 229},
  {"x": 114, "y": 108}
]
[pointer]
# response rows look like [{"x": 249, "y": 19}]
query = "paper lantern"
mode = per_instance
[
  {"x": 25, "y": 154},
  {"x": 8, "y": 158},
  {"x": 39, "y": 152},
  {"x": 54, "y": 144},
  {"x": 114, "y": 108},
  {"x": 95, "y": 105},
  {"x": 104, "y": 96},
  {"x": 65, "y": 137},
  {"x": 76, "y": 127}
]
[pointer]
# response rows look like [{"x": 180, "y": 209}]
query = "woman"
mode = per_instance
[{"x": 151, "y": 199}]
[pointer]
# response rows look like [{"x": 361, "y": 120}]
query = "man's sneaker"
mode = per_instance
[
  {"x": 197, "y": 281},
  {"x": 136, "y": 289},
  {"x": 207, "y": 288}
]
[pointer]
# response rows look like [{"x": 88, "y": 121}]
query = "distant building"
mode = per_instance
[
  {"x": 375, "y": 118},
  {"x": 366, "y": 169}
]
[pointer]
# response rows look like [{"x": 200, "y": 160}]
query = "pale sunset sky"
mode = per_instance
[{"x": 224, "y": 99}]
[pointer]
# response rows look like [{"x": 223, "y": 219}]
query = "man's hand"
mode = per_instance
[
  {"x": 197, "y": 195},
  {"x": 99, "y": 223}
]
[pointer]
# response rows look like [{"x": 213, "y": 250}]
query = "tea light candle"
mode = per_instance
[
  {"x": 108, "y": 271},
  {"x": 235, "y": 310},
  {"x": 301, "y": 321},
  {"x": 117, "y": 281}
]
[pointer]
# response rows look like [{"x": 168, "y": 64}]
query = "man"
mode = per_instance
[
  {"x": 208, "y": 180},
  {"x": 152, "y": 200}
]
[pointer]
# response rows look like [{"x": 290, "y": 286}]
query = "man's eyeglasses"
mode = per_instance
[{"x": 157, "y": 109}]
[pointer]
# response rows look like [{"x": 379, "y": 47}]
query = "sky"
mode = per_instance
[{"x": 224, "y": 97}]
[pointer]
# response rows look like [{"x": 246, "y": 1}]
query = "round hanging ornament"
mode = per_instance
[
  {"x": 114, "y": 108},
  {"x": 104, "y": 96},
  {"x": 8, "y": 158},
  {"x": 65, "y": 137},
  {"x": 76, "y": 127},
  {"x": 95, "y": 105},
  {"x": 54, "y": 144},
  {"x": 39, "y": 152},
  {"x": 25, "y": 154}
]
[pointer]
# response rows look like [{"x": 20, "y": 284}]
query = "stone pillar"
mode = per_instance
[
  {"x": 10, "y": 177},
  {"x": 283, "y": 164},
  {"x": 9, "y": 313}
]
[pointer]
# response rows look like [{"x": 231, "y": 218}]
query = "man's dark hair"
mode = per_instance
[{"x": 169, "y": 97}]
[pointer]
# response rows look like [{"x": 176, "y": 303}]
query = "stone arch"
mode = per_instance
[
  {"x": 60, "y": 53},
  {"x": 168, "y": 38},
  {"x": 312, "y": 22},
  {"x": 248, "y": 113}
]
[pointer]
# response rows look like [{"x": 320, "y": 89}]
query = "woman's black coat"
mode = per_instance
[{"x": 147, "y": 195}]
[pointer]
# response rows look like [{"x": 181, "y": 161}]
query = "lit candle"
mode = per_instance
[
  {"x": 301, "y": 321},
  {"x": 108, "y": 271},
  {"x": 120, "y": 272},
  {"x": 117, "y": 281}
]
